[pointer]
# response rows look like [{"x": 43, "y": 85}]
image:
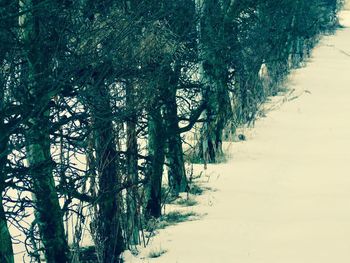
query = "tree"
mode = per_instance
[{"x": 38, "y": 33}]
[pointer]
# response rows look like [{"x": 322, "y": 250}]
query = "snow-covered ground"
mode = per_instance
[{"x": 284, "y": 196}]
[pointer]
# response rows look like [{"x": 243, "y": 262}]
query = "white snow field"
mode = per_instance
[{"x": 284, "y": 196}]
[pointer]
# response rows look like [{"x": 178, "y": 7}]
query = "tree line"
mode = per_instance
[{"x": 97, "y": 98}]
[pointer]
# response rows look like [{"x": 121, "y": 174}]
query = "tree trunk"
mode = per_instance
[
  {"x": 132, "y": 168},
  {"x": 108, "y": 232},
  {"x": 47, "y": 208},
  {"x": 156, "y": 145},
  {"x": 217, "y": 114},
  {"x": 174, "y": 155},
  {"x": 213, "y": 73}
]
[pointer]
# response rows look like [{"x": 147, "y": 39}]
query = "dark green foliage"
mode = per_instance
[
  {"x": 156, "y": 253},
  {"x": 196, "y": 190},
  {"x": 186, "y": 202},
  {"x": 176, "y": 217}
]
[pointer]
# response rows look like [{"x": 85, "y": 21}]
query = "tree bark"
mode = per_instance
[
  {"x": 213, "y": 73},
  {"x": 47, "y": 209},
  {"x": 174, "y": 155},
  {"x": 108, "y": 227},
  {"x": 132, "y": 167},
  {"x": 156, "y": 146},
  {"x": 48, "y": 212}
]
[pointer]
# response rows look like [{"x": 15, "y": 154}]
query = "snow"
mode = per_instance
[{"x": 284, "y": 195}]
